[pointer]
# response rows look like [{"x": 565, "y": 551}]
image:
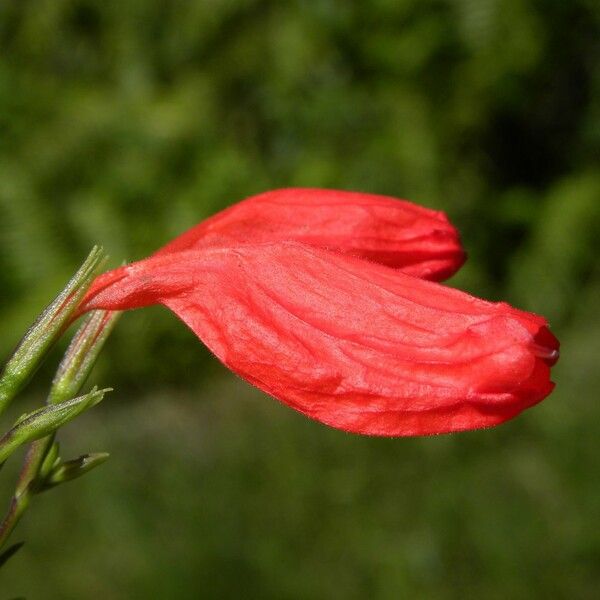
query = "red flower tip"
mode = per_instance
[
  {"x": 549, "y": 355},
  {"x": 352, "y": 344},
  {"x": 397, "y": 233}
]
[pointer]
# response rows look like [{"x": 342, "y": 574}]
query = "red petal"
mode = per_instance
[
  {"x": 358, "y": 346},
  {"x": 392, "y": 232}
]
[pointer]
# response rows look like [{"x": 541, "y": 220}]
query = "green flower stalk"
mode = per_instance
[{"x": 43, "y": 468}]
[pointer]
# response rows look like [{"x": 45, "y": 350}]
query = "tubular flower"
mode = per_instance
[
  {"x": 356, "y": 345},
  {"x": 397, "y": 233}
]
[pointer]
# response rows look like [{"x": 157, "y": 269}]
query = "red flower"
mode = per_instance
[
  {"x": 355, "y": 345},
  {"x": 397, "y": 233}
]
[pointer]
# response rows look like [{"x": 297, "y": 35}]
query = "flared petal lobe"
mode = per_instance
[
  {"x": 397, "y": 233},
  {"x": 357, "y": 346}
]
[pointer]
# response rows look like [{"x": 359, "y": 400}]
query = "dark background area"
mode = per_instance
[{"x": 125, "y": 122}]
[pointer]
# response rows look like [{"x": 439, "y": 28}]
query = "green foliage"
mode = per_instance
[{"x": 124, "y": 122}]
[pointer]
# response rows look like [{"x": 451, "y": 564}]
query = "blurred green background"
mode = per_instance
[{"x": 125, "y": 122}]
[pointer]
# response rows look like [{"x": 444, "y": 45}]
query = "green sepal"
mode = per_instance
[
  {"x": 72, "y": 469},
  {"x": 81, "y": 355},
  {"x": 44, "y": 421},
  {"x": 50, "y": 460},
  {"x": 48, "y": 327}
]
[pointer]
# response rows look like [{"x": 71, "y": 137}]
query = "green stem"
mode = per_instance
[
  {"x": 22, "y": 496},
  {"x": 72, "y": 372}
]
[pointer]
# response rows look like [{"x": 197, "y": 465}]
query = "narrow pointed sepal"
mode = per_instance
[
  {"x": 44, "y": 421},
  {"x": 72, "y": 469},
  {"x": 48, "y": 327}
]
